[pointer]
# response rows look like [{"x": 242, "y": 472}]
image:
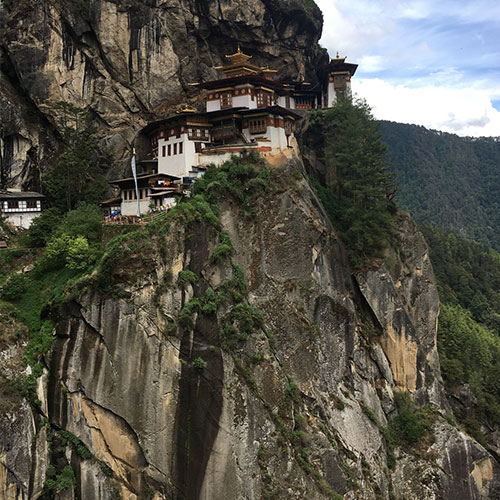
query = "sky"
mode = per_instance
[{"x": 434, "y": 63}]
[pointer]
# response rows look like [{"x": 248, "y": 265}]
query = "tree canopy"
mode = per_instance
[
  {"x": 357, "y": 189},
  {"x": 78, "y": 176},
  {"x": 447, "y": 180}
]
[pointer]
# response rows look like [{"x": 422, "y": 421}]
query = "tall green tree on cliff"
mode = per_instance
[
  {"x": 358, "y": 188},
  {"x": 78, "y": 176}
]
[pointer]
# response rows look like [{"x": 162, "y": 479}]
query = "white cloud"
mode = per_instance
[
  {"x": 373, "y": 64},
  {"x": 421, "y": 61},
  {"x": 466, "y": 112}
]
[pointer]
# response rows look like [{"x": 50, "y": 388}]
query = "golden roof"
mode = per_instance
[
  {"x": 338, "y": 58},
  {"x": 238, "y": 56},
  {"x": 239, "y": 65}
]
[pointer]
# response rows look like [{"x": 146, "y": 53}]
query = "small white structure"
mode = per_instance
[
  {"x": 339, "y": 75},
  {"x": 20, "y": 207},
  {"x": 155, "y": 191}
]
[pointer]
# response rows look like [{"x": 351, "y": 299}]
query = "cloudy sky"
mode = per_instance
[{"x": 431, "y": 62}]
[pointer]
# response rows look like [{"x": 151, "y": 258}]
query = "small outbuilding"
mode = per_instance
[{"x": 20, "y": 207}]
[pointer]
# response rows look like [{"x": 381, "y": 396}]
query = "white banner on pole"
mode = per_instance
[{"x": 134, "y": 173}]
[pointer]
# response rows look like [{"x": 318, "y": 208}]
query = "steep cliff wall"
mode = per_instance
[
  {"x": 122, "y": 59},
  {"x": 158, "y": 395}
]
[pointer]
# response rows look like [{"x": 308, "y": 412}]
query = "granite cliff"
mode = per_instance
[{"x": 238, "y": 357}]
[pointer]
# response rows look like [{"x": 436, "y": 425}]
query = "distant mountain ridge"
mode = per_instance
[{"x": 447, "y": 180}]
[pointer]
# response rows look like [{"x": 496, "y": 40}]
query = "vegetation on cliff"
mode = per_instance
[
  {"x": 79, "y": 175},
  {"x": 357, "y": 189},
  {"x": 222, "y": 316}
]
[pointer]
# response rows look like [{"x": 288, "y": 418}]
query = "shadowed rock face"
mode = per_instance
[
  {"x": 121, "y": 60},
  {"x": 292, "y": 421}
]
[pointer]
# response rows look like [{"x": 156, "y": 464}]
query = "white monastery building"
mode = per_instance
[{"x": 246, "y": 109}]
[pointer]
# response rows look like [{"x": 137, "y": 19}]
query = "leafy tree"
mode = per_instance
[
  {"x": 42, "y": 228},
  {"x": 75, "y": 242},
  {"x": 78, "y": 254},
  {"x": 79, "y": 174},
  {"x": 357, "y": 189},
  {"x": 86, "y": 220}
]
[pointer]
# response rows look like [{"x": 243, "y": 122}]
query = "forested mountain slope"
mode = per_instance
[
  {"x": 468, "y": 278},
  {"x": 448, "y": 180}
]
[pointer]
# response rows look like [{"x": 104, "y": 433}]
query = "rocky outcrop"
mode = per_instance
[
  {"x": 159, "y": 401},
  {"x": 121, "y": 60}
]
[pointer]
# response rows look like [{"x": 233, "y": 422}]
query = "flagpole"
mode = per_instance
[{"x": 134, "y": 173}]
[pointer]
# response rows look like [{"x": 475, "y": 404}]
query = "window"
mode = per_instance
[
  {"x": 164, "y": 148},
  {"x": 303, "y": 103},
  {"x": 180, "y": 148},
  {"x": 175, "y": 148},
  {"x": 169, "y": 150},
  {"x": 13, "y": 204},
  {"x": 197, "y": 147},
  {"x": 257, "y": 126},
  {"x": 287, "y": 101},
  {"x": 263, "y": 99},
  {"x": 339, "y": 81},
  {"x": 31, "y": 204},
  {"x": 226, "y": 100}
]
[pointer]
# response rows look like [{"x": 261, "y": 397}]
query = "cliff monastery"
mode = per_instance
[{"x": 246, "y": 109}]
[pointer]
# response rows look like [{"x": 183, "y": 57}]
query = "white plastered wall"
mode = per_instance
[
  {"x": 22, "y": 219},
  {"x": 178, "y": 164},
  {"x": 213, "y": 105},
  {"x": 277, "y": 137},
  {"x": 331, "y": 95},
  {"x": 129, "y": 207},
  {"x": 244, "y": 101}
]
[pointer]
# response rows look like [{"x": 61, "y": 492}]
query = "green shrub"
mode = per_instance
[
  {"x": 410, "y": 425},
  {"x": 78, "y": 255},
  {"x": 14, "y": 287},
  {"x": 223, "y": 249},
  {"x": 43, "y": 226},
  {"x": 40, "y": 342},
  {"x": 66, "y": 479},
  {"x": 76, "y": 445},
  {"x": 209, "y": 308},
  {"x": 187, "y": 276},
  {"x": 186, "y": 316},
  {"x": 199, "y": 364},
  {"x": 292, "y": 390}
]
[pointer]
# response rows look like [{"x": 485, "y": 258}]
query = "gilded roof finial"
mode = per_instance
[
  {"x": 187, "y": 109},
  {"x": 338, "y": 57},
  {"x": 239, "y": 49}
]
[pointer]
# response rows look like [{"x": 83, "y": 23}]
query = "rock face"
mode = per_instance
[
  {"x": 170, "y": 406},
  {"x": 122, "y": 59}
]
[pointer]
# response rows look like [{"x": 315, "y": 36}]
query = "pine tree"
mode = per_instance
[
  {"x": 79, "y": 174},
  {"x": 358, "y": 187}
]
